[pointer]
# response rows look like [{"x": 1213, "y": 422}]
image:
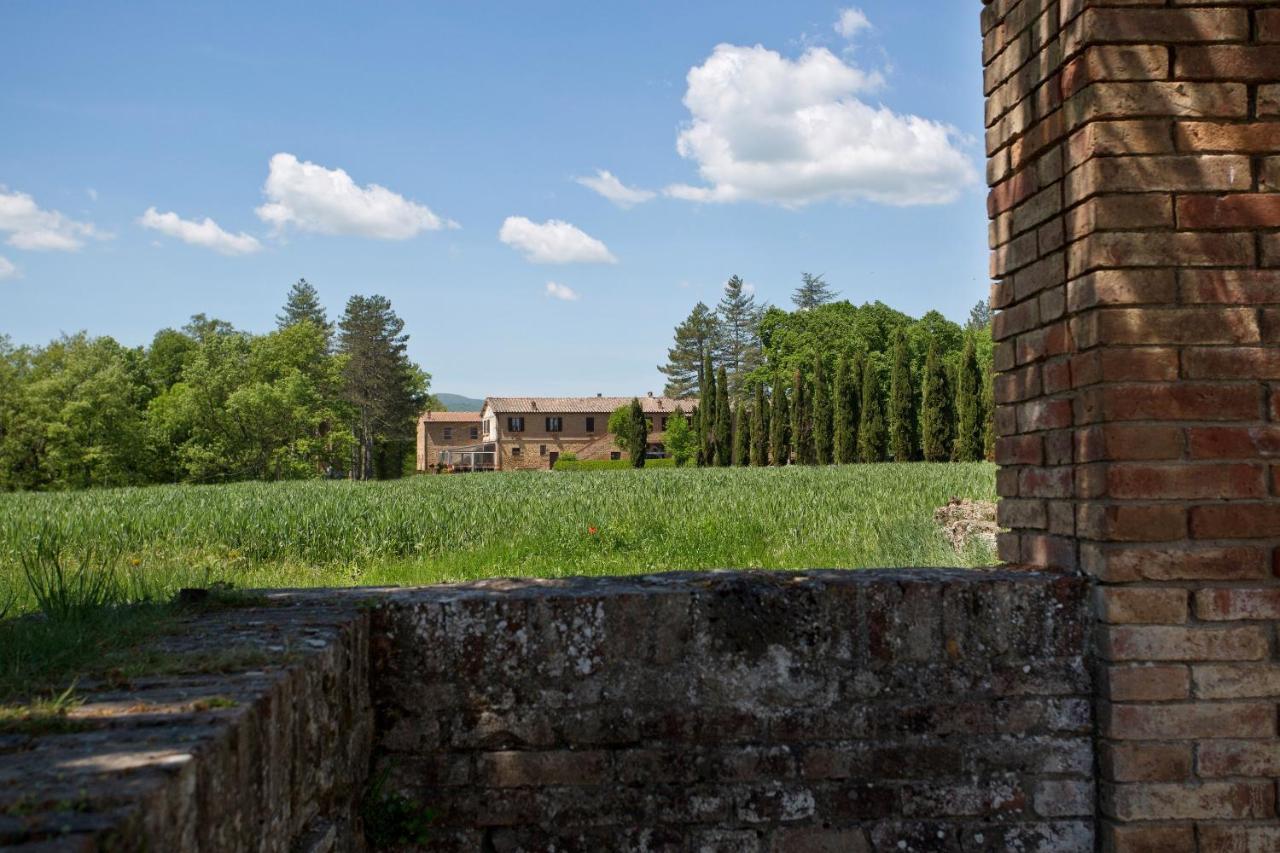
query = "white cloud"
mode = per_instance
[
  {"x": 772, "y": 129},
  {"x": 92, "y": 193},
  {"x": 560, "y": 291},
  {"x": 615, "y": 190},
  {"x": 310, "y": 197},
  {"x": 553, "y": 242},
  {"x": 207, "y": 233},
  {"x": 7, "y": 269},
  {"x": 29, "y": 227},
  {"x": 851, "y": 22}
]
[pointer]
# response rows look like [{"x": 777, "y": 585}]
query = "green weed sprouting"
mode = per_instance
[{"x": 70, "y": 589}]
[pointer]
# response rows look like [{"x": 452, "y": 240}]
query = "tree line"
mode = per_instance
[
  {"x": 830, "y": 382},
  {"x": 212, "y": 403}
]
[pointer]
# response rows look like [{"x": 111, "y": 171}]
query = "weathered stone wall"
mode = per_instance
[
  {"x": 1136, "y": 245},
  {"x": 912, "y": 710},
  {"x": 262, "y": 743}
]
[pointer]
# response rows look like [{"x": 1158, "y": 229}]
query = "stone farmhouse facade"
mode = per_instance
[
  {"x": 445, "y": 430},
  {"x": 531, "y": 433}
]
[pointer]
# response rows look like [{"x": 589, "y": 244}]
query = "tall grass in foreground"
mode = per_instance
[{"x": 431, "y": 529}]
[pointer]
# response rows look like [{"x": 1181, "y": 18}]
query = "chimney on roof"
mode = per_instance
[
  {"x": 650, "y": 393},
  {"x": 598, "y": 394},
  {"x": 534, "y": 404}
]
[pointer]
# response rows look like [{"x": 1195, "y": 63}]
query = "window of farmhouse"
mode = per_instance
[
  {"x": 448, "y": 432},
  {"x": 515, "y": 424},
  {"x": 475, "y": 432},
  {"x": 515, "y": 451},
  {"x": 591, "y": 424},
  {"x": 555, "y": 424}
]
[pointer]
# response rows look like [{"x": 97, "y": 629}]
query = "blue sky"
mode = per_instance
[{"x": 809, "y": 136}]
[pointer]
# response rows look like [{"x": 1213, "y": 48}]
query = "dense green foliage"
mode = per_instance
[
  {"x": 759, "y": 429},
  {"x": 812, "y": 292},
  {"x": 822, "y": 415},
  {"x": 681, "y": 441},
  {"x": 871, "y": 429},
  {"x": 741, "y": 436},
  {"x": 210, "y": 403},
  {"x": 801, "y": 421},
  {"x": 779, "y": 424},
  {"x": 638, "y": 433},
  {"x": 724, "y": 422},
  {"x": 969, "y": 418},
  {"x": 936, "y": 414},
  {"x": 902, "y": 402},
  {"x": 431, "y": 528},
  {"x": 848, "y": 395}
]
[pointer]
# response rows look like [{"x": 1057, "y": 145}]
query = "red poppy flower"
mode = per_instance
[{"x": 592, "y": 530}]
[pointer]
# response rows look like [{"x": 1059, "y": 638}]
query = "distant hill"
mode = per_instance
[{"x": 459, "y": 403}]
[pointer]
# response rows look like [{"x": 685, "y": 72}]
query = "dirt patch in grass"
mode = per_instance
[{"x": 968, "y": 523}]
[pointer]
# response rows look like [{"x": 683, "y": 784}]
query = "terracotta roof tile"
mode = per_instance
[
  {"x": 451, "y": 417},
  {"x": 588, "y": 405}
]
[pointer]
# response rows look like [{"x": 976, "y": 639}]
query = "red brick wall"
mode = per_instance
[{"x": 1135, "y": 170}]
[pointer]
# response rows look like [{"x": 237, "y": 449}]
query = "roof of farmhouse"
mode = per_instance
[
  {"x": 589, "y": 405},
  {"x": 451, "y": 417}
]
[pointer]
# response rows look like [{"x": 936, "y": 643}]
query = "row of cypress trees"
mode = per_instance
[{"x": 813, "y": 419}]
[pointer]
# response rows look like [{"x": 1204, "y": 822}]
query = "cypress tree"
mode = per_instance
[
  {"x": 741, "y": 436},
  {"x": 845, "y": 432},
  {"x": 902, "y": 402},
  {"x": 936, "y": 417},
  {"x": 638, "y": 438},
  {"x": 968, "y": 447},
  {"x": 759, "y": 432},
  {"x": 779, "y": 441},
  {"x": 724, "y": 421},
  {"x": 989, "y": 413},
  {"x": 822, "y": 413},
  {"x": 801, "y": 423},
  {"x": 871, "y": 432},
  {"x": 707, "y": 421}
]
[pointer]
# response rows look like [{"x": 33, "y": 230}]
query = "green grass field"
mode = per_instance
[{"x": 433, "y": 529}]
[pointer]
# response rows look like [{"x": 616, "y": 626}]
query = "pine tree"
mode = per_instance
[
  {"x": 386, "y": 390},
  {"x": 638, "y": 443},
  {"x": 968, "y": 446},
  {"x": 902, "y": 402},
  {"x": 979, "y": 316},
  {"x": 759, "y": 431},
  {"x": 741, "y": 436},
  {"x": 739, "y": 348},
  {"x": 696, "y": 335},
  {"x": 812, "y": 292},
  {"x": 802, "y": 422},
  {"x": 871, "y": 432},
  {"x": 822, "y": 415},
  {"x": 303, "y": 303},
  {"x": 707, "y": 419},
  {"x": 936, "y": 416},
  {"x": 724, "y": 421},
  {"x": 779, "y": 419},
  {"x": 846, "y": 393}
]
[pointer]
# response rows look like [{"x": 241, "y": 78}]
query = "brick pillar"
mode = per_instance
[{"x": 1134, "y": 159}]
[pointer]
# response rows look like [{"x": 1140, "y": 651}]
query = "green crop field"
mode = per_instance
[{"x": 433, "y": 529}]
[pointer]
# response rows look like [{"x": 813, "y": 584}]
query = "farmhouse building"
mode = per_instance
[
  {"x": 445, "y": 430},
  {"x": 517, "y": 433}
]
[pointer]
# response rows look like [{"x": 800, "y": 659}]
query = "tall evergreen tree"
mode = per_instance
[
  {"x": 724, "y": 421},
  {"x": 759, "y": 431},
  {"x": 822, "y": 415},
  {"x": 638, "y": 442},
  {"x": 936, "y": 416},
  {"x": 696, "y": 335},
  {"x": 871, "y": 430},
  {"x": 846, "y": 393},
  {"x": 802, "y": 422},
  {"x": 779, "y": 421},
  {"x": 979, "y": 316},
  {"x": 739, "y": 348},
  {"x": 303, "y": 303},
  {"x": 741, "y": 436},
  {"x": 902, "y": 402},
  {"x": 707, "y": 418},
  {"x": 989, "y": 413},
  {"x": 968, "y": 446},
  {"x": 386, "y": 390},
  {"x": 812, "y": 292}
]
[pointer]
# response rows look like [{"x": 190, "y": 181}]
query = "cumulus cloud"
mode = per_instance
[
  {"x": 793, "y": 131},
  {"x": 851, "y": 22},
  {"x": 30, "y": 227},
  {"x": 553, "y": 242},
  {"x": 7, "y": 269},
  {"x": 562, "y": 292},
  {"x": 309, "y": 197},
  {"x": 207, "y": 233},
  {"x": 615, "y": 190}
]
